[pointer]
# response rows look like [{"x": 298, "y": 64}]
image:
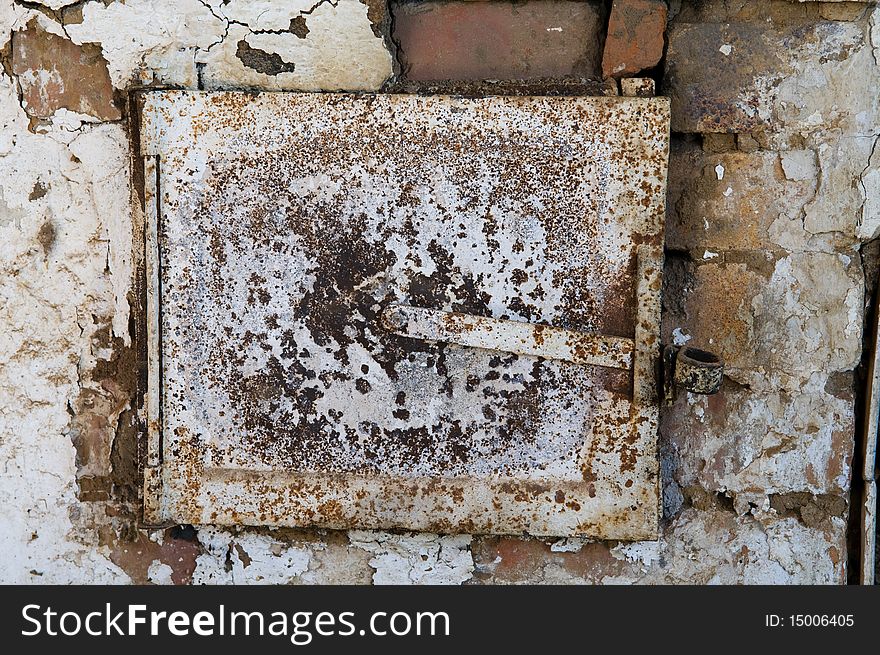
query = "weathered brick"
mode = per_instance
[
  {"x": 741, "y": 442},
  {"x": 710, "y": 73},
  {"x": 707, "y": 545},
  {"x": 498, "y": 40},
  {"x": 736, "y": 201},
  {"x": 137, "y": 554},
  {"x": 795, "y": 79},
  {"x": 635, "y": 38},
  {"x": 56, "y": 73}
]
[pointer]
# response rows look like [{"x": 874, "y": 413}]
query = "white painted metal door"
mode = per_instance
[{"x": 383, "y": 311}]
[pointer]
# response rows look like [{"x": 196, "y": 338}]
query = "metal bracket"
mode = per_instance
[
  {"x": 697, "y": 371},
  {"x": 152, "y": 465}
]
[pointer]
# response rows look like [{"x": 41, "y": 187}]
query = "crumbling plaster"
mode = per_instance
[{"x": 765, "y": 234}]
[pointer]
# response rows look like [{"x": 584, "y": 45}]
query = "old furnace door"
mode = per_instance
[{"x": 380, "y": 311}]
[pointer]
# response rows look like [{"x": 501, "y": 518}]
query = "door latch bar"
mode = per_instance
[{"x": 510, "y": 336}]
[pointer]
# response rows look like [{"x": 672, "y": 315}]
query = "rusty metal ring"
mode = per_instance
[{"x": 698, "y": 371}]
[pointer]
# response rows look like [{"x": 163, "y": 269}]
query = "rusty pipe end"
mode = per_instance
[{"x": 698, "y": 371}]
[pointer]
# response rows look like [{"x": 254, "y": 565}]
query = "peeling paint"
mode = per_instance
[
  {"x": 247, "y": 559},
  {"x": 416, "y": 558}
]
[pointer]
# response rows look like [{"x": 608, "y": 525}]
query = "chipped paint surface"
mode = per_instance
[
  {"x": 416, "y": 558},
  {"x": 248, "y": 559},
  {"x": 276, "y": 268},
  {"x": 206, "y": 43}
]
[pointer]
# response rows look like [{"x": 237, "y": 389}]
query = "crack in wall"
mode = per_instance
[
  {"x": 230, "y": 21},
  {"x": 867, "y": 193}
]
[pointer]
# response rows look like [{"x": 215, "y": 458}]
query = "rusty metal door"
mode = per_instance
[{"x": 383, "y": 311}]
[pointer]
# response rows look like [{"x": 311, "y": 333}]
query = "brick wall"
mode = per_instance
[{"x": 774, "y": 206}]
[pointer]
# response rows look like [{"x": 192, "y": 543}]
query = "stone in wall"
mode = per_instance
[
  {"x": 740, "y": 201},
  {"x": 246, "y": 45},
  {"x": 325, "y": 46},
  {"x": 791, "y": 299},
  {"x": 757, "y": 444},
  {"x": 146, "y": 41},
  {"x": 636, "y": 37},
  {"x": 794, "y": 78},
  {"x": 705, "y": 544},
  {"x": 776, "y": 321},
  {"x": 798, "y": 78}
]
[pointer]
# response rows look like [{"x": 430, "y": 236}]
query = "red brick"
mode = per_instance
[
  {"x": 498, "y": 40},
  {"x": 635, "y": 37}
]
